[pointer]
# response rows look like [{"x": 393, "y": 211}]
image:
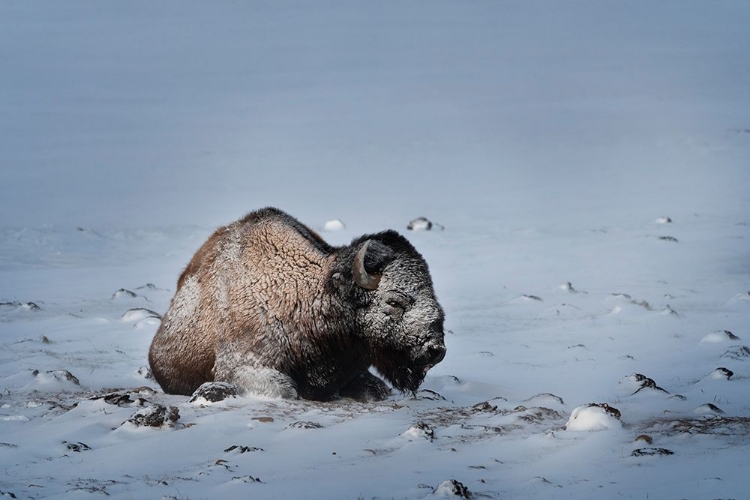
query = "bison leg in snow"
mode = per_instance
[
  {"x": 263, "y": 381},
  {"x": 365, "y": 387}
]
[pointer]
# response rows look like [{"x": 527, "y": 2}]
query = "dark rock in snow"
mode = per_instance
[
  {"x": 7, "y": 494},
  {"x": 155, "y": 416},
  {"x": 120, "y": 399},
  {"x": 452, "y": 488},
  {"x": 709, "y": 408},
  {"x": 645, "y": 383},
  {"x": 609, "y": 409},
  {"x": 420, "y": 224},
  {"x": 247, "y": 479},
  {"x": 139, "y": 313},
  {"x": 122, "y": 292},
  {"x": 544, "y": 397},
  {"x": 242, "y": 449},
  {"x": 650, "y": 452},
  {"x": 77, "y": 447},
  {"x": 483, "y": 406},
  {"x": 145, "y": 372},
  {"x": 669, "y": 238},
  {"x": 213, "y": 392},
  {"x": 737, "y": 353},
  {"x": 59, "y": 375},
  {"x": 722, "y": 372},
  {"x": 305, "y": 425},
  {"x": 30, "y": 306},
  {"x": 429, "y": 395},
  {"x": 420, "y": 429}
]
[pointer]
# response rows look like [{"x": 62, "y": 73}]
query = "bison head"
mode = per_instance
[{"x": 401, "y": 317}]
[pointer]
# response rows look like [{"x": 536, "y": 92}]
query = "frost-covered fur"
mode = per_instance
[{"x": 268, "y": 305}]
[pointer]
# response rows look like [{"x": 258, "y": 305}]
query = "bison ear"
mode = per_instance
[{"x": 369, "y": 263}]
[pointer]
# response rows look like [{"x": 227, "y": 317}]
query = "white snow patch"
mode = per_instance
[
  {"x": 719, "y": 336},
  {"x": 334, "y": 225},
  {"x": 592, "y": 418}
]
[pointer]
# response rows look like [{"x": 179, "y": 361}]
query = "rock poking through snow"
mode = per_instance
[
  {"x": 213, "y": 392},
  {"x": 651, "y": 452},
  {"x": 155, "y": 416},
  {"x": 638, "y": 382},
  {"x": 420, "y": 430},
  {"x": 719, "y": 336},
  {"x": 594, "y": 417},
  {"x": 423, "y": 224},
  {"x": 452, "y": 489},
  {"x": 137, "y": 314},
  {"x": 721, "y": 373},
  {"x": 708, "y": 409}
]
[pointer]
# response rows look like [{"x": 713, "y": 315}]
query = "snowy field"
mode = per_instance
[{"x": 590, "y": 164}]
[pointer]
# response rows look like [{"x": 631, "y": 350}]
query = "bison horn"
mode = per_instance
[{"x": 361, "y": 276}]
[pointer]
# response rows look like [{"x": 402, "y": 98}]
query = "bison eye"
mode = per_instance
[{"x": 395, "y": 303}]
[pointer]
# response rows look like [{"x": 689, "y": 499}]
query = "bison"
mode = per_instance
[{"x": 267, "y": 305}]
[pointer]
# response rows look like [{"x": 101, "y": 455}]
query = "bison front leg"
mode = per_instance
[
  {"x": 365, "y": 387},
  {"x": 249, "y": 378},
  {"x": 264, "y": 382}
]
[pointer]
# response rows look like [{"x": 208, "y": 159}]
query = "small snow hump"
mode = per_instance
[
  {"x": 721, "y": 373},
  {"x": 423, "y": 224},
  {"x": 639, "y": 382},
  {"x": 420, "y": 430},
  {"x": 594, "y": 417},
  {"x": 452, "y": 489},
  {"x": 708, "y": 409},
  {"x": 155, "y": 416},
  {"x": 124, "y": 293},
  {"x": 334, "y": 225},
  {"x": 213, "y": 392},
  {"x": 737, "y": 353},
  {"x": 719, "y": 336}
]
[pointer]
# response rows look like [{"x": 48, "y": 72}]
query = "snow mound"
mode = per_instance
[
  {"x": 123, "y": 293},
  {"x": 663, "y": 220},
  {"x": 213, "y": 392},
  {"x": 137, "y": 314},
  {"x": 451, "y": 489},
  {"x": 637, "y": 382},
  {"x": 708, "y": 409},
  {"x": 720, "y": 373},
  {"x": 334, "y": 225},
  {"x": 420, "y": 430},
  {"x": 719, "y": 336},
  {"x": 47, "y": 382},
  {"x": 737, "y": 353},
  {"x": 420, "y": 224},
  {"x": 545, "y": 399},
  {"x": 155, "y": 416},
  {"x": 594, "y": 417}
]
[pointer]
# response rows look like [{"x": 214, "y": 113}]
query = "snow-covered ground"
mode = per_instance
[{"x": 587, "y": 160}]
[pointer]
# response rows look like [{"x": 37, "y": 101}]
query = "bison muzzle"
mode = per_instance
[{"x": 266, "y": 304}]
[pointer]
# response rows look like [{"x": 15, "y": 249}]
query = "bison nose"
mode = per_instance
[{"x": 435, "y": 354}]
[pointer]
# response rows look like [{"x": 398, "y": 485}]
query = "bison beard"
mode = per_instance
[{"x": 400, "y": 370}]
